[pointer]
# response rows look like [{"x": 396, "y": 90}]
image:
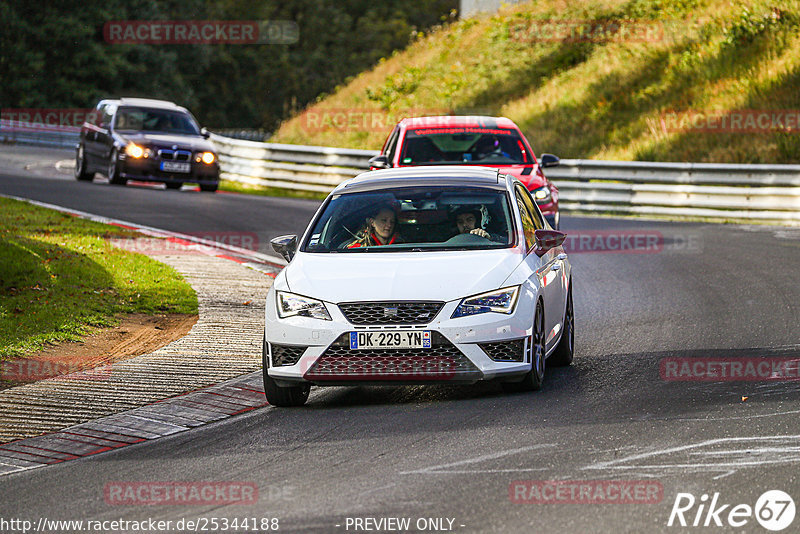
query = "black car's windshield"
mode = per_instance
[
  {"x": 155, "y": 120},
  {"x": 463, "y": 145},
  {"x": 413, "y": 218}
]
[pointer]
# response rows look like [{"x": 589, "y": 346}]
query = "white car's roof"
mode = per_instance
[{"x": 411, "y": 176}]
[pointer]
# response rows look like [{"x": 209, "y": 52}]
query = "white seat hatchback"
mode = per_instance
[{"x": 419, "y": 275}]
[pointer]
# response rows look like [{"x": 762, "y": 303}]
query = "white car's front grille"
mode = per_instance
[{"x": 390, "y": 313}]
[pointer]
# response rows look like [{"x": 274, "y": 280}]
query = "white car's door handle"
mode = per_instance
[{"x": 562, "y": 256}]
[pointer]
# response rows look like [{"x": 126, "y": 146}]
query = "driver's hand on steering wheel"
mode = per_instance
[{"x": 481, "y": 232}]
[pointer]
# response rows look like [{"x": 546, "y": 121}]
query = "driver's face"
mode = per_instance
[{"x": 466, "y": 222}]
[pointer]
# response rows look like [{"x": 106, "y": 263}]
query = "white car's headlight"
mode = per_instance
[
  {"x": 499, "y": 301},
  {"x": 290, "y": 305},
  {"x": 542, "y": 195}
]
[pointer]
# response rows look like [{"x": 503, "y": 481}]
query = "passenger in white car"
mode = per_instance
[{"x": 379, "y": 229}]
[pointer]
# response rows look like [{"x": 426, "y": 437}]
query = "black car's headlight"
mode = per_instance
[
  {"x": 542, "y": 195},
  {"x": 205, "y": 157},
  {"x": 499, "y": 301},
  {"x": 290, "y": 305},
  {"x": 134, "y": 151}
]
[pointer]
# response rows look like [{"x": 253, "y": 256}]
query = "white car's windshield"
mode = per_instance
[{"x": 413, "y": 218}]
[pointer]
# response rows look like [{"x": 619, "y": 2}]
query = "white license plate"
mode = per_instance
[
  {"x": 391, "y": 339},
  {"x": 176, "y": 166}
]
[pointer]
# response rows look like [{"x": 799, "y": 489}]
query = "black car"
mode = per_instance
[{"x": 147, "y": 140}]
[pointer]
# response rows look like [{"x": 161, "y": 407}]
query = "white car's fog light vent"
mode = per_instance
[
  {"x": 385, "y": 313},
  {"x": 286, "y": 354},
  {"x": 442, "y": 361},
  {"x": 505, "y": 351}
]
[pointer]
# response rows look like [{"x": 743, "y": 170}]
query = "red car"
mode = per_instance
[{"x": 486, "y": 141}]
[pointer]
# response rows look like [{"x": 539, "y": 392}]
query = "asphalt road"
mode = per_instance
[
  {"x": 710, "y": 291},
  {"x": 185, "y": 211}
]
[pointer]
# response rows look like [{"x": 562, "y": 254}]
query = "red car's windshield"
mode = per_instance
[{"x": 463, "y": 145}]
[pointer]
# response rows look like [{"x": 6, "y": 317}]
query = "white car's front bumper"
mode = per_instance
[{"x": 317, "y": 351}]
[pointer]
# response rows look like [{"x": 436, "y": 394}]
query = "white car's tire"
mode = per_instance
[
  {"x": 565, "y": 350},
  {"x": 534, "y": 378},
  {"x": 280, "y": 395}
]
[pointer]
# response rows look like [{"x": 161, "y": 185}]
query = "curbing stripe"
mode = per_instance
[{"x": 88, "y": 439}]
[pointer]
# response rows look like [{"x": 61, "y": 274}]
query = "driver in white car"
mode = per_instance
[{"x": 467, "y": 220}]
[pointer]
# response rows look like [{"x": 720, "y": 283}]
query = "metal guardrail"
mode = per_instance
[
  {"x": 719, "y": 191},
  {"x": 41, "y": 135},
  {"x": 712, "y": 190},
  {"x": 298, "y": 167}
]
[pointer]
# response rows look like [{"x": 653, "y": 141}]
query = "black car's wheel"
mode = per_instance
[
  {"x": 174, "y": 185},
  {"x": 280, "y": 395},
  {"x": 533, "y": 380},
  {"x": 114, "y": 171},
  {"x": 80, "y": 166},
  {"x": 565, "y": 350},
  {"x": 209, "y": 188}
]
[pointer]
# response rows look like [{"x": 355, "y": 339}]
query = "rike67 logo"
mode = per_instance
[{"x": 774, "y": 510}]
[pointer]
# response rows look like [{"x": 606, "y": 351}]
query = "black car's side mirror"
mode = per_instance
[
  {"x": 380, "y": 161},
  {"x": 204, "y": 132},
  {"x": 285, "y": 245},
  {"x": 549, "y": 160}
]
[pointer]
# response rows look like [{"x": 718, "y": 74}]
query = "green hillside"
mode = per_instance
[{"x": 630, "y": 80}]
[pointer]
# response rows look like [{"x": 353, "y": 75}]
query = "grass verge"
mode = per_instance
[
  {"x": 60, "y": 275},
  {"x": 600, "y": 95},
  {"x": 236, "y": 187}
]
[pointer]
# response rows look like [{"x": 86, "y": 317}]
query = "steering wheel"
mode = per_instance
[{"x": 466, "y": 239}]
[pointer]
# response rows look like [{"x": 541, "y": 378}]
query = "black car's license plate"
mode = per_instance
[{"x": 176, "y": 166}]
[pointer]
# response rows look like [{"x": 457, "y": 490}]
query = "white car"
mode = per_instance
[{"x": 419, "y": 275}]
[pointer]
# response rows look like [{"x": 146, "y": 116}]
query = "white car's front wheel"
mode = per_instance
[
  {"x": 534, "y": 378},
  {"x": 284, "y": 396},
  {"x": 565, "y": 350}
]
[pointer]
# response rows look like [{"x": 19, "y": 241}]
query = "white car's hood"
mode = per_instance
[{"x": 363, "y": 276}]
